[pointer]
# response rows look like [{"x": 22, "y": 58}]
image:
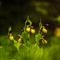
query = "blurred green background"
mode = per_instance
[{"x": 14, "y": 13}]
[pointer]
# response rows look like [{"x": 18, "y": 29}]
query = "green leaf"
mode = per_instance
[
  {"x": 6, "y": 42},
  {"x": 23, "y": 52},
  {"x": 28, "y": 20},
  {"x": 40, "y": 24},
  {"x": 4, "y": 55},
  {"x": 9, "y": 29},
  {"x": 36, "y": 53},
  {"x": 25, "y": 36},
  {"x": 37, "y": 37},
  {"x": 32, "y": 51},
  {"x": 17, "y": 44}
]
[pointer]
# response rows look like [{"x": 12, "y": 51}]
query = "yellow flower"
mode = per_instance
[
  {"x": 11, "y": 37},
  {"x": 32, "y": 31},
  {"x": 57, "y": 32},
  {"x": 28, "y": 29},
  {"x": 19, "y": 40},
  {"x": 44, "y": 41},
  {"x": 44, "y": 30}
]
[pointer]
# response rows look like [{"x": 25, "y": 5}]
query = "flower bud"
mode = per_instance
[
  {"x": 44, "y": 30},
  {"x": 28, "y": 29},
  {"x": 44, "y": 41},
  {"x": 11, "y": 37},
  {"x": 32, "y": 31},
  {"x": 19, "y": 40}
]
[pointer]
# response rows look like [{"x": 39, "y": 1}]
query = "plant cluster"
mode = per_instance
[
  {"x": 28, "y": 45},
  {"x": 28, "y": 34}
]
